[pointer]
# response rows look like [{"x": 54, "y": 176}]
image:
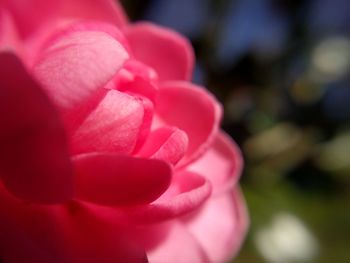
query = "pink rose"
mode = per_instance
[{"x": 107, "y": 152}]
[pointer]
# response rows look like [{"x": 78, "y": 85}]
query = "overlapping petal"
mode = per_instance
[
  {"x": 111, "y": 179},
  {"x": 171, "y": 242},
  {"x": 191, "y": 109},
  {"x": 34, "y": 160},
  {"x": 66, "y": 70},
  {"x": 84, "y": 26},
  {"x": 122, "y": 117},
  {"x": 167, "y": 143},
  {"x": 137, "y": 78},
  {"x": 149, "y": 170},
  {"x": 220, "y": 225},
  {"x": 93, "y": 235},
  {"x": 187, "y": 192},
  {"x": 67, "y": 233},
  {"x": 221, "y": 164},
  {"x": 174, "y": 59}
]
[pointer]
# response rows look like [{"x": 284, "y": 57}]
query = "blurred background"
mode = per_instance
[{"x": 281, "y": 68}]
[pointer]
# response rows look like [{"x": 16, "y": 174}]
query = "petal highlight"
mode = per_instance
[
  {"x": 113, "y": 126},
  {"x": 75, "y": 66},
  {"x": 167, "y": 143}
]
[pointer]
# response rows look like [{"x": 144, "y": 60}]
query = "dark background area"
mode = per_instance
[{"x": 281, "y": 70}]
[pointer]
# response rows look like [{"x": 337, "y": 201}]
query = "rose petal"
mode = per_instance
[
  {"x": 221, "y": 164},
  {"x": 185, "y": 194},
  {"x": 32, "y": 16},
  {"x": 34, "y": 161},
  {"x": 110, "y": 11},
  {"x": 113, "y": 126},
  {"x": 92, "y": 235},
  {"x": 43, "y": 39},
  {"x": 62, "y": 234},
  {"x": 220, "y": 226},
  {"x": 166, "y": 51},
  {"x": 146, "y": 122},
  {"x": 111, "y": 179},
  {"x": 29, "y": 15},
  {"x": 9, "y": 40},
  {"x": 75, "y": 66},
  {"x": 23, "y": 243},
  {"x": 83, "y": 26},
  {"x": 167, "y": 143},
  {"x": 171, "y": 242},
  {"x": 193, "y": 110},
  {"x": 137, "y": 78}
]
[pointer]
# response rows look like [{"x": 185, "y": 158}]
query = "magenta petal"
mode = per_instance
[
  {"x": 167, "y": 143},
  {"x": 87, "y": 25},
  {"x": 193, "y": 110},
  {"x": 111, "y": 179},
  {"x": 9, "y": 40},
  {"x": 32, "y": 243},
  {"x": 34, "y": 161},
  {"x": 113, "y": 126},
  {"x": 186, "y": 193},
  {"x": 92, "y": 238},
  {"x": 146, "y": 122},
  {"x": 63, "y": 234},
  {"x": 29, "y": 15},
  {"x": 75, "y": 66},
  {"x": 220, "y": 226},
  {"x": 169, "y": 53},
  {"x": 221, "y": 164},
  {"x": 137, "y": 78}
]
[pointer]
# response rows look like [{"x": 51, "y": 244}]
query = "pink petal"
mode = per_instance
[
  {"x": 193, "y": 110},
  {"x": 73, "y": 68},
  {"x": 84, "y": 26},
  {"x": 92, "y": 235},
  {"x": 28, "y": 15},
  {"x": 166, "y": 51},
  {"x": 30, "y": 244},
  {"x": 220, "y": 226},
  {"x": 9, "y": 40},
  {"x": 113, "y": 126},
  {"x": 172, "y": 243},
  {"x": 167, "y": 143},
  {"x": 221, "y": 164},
  {"x": 31, "y": 16},
  {"x": 111, "y": 179},
  {"x": 186, "y": 193},
  {"x": 34, "y": 161},
  {"x": 110, "y": 11},
  {"x": 146, "y": 122},
  {"x": 43, "y": 39},
  {"x": 63, "y": 234},
  {"x": 137, "y": 78}
]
